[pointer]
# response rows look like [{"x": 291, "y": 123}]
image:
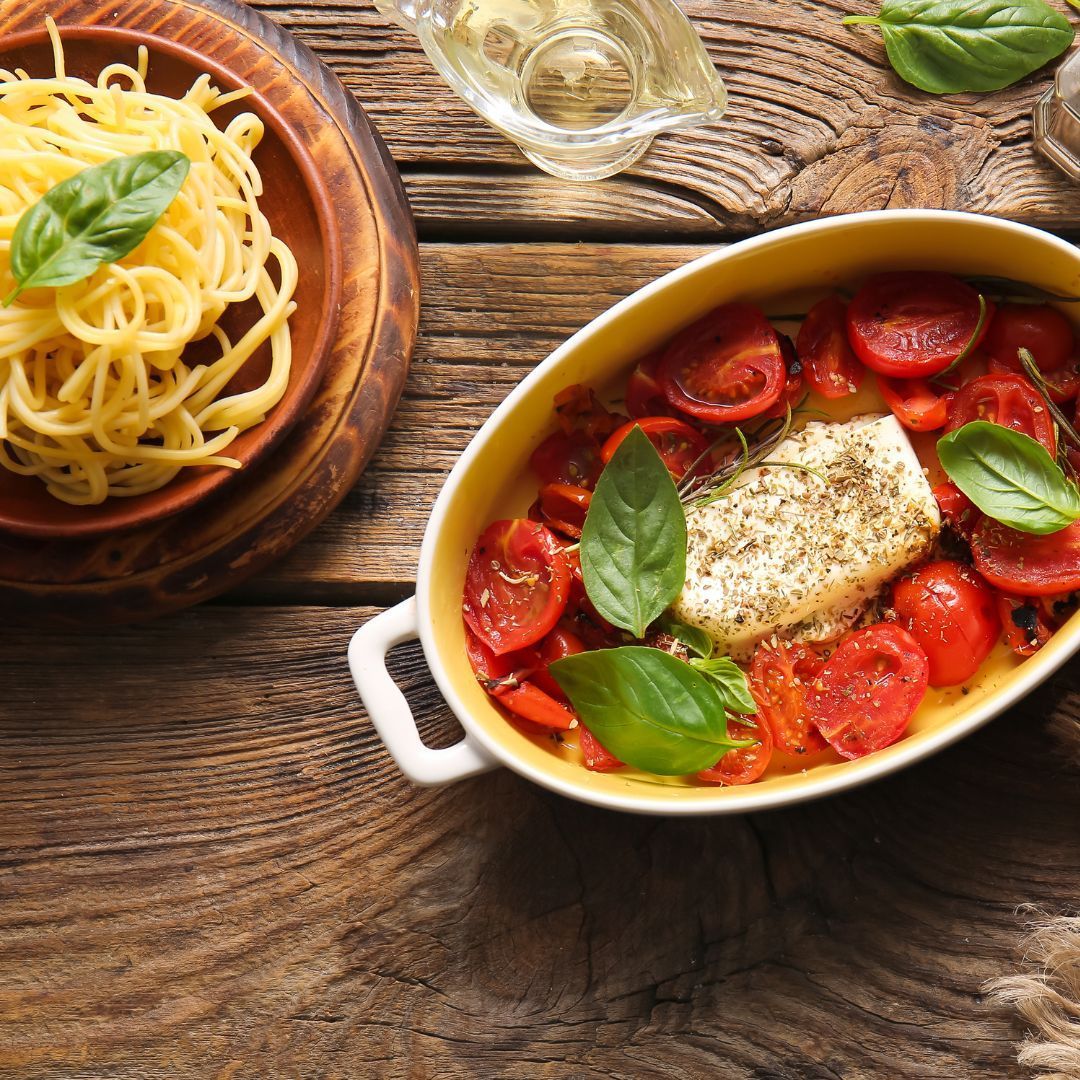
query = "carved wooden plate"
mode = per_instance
[{"x": 203, "y": 551}]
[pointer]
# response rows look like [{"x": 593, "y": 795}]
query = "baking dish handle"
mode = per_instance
[{"x": 390, "y": 712}]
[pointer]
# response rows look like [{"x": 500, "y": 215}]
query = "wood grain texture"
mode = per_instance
[
  {"x": 211, "y": 869},
  {"x": 183, "y": 559},
  {"x": 817, "y": 124}
]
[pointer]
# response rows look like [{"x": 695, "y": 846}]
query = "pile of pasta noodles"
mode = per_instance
[{"x": 95, "y": 396}]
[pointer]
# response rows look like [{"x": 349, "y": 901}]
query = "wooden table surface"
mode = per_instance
[{"x": 209, "y": 867}]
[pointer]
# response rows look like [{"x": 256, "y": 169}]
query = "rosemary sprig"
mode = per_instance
[
  {"x": 966, "y": 351},
  {"x": 1065, "y": 426},
  {"x": 1018, "y": 292}
]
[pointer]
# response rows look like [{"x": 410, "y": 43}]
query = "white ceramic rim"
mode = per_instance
[{"x": 743, "y": 799}]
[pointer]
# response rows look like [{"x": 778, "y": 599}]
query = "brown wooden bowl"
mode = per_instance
[{"x": 297, "y": 204}]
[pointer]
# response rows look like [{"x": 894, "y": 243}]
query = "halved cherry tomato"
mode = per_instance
[
  {"x": 1019, "y": 562},
  {"x": 679, "y": 444},
  {"x": 744, "y": 764},
  {"x": 1008, "y": 400},
  {"x": 958, "y": 511},
  {"x": 516, "y": 584},
  {"x": 564, "y": 506},
  {"x": 725, "y": 367},
  {"x": 1039, "y": 328},
  {"x": 531, "y": 703},
  {"x": 597, "y": 759},
  {"x": 1059, "y": 608},
  {"x": 830, "y": 365},
  {"x": 578, "y": 409},
  {"x": 1026, "y": 627},
  {"x": 867, "y": 693},
  {"x": 780, "y": 675},
  {"x": 916, "y": 403},
  {"x": 497, "y": 674},
  {"x": 912, "y": 325},
  {"x": 792, "y": 393},
  {"x": 644, "y": 394},
  {"x": 568, "y": 459},
  {"x": 559, "y": 643},
  {"x": 951, "y": 612},
  {"x": 1061, "y": 385}
]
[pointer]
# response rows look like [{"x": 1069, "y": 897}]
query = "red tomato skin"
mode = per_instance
[
  {"x": 952, "y": 613},
  {"x": 1017, "y": 562},
  {"x": 1009, "y": 400},
  {"x": 957, "y": 510},
  {"x": 679, "y": 444},
  {"x": 595, "y": 757},
  {"x": 737, "y": 347},
  {"x": 497, "y": 674},
  {"x": 915, "y": 402},
  {"x": 858, "y": 705},
  {"x": 792, "y": 393},
  {"x": 507, "y": 614},
  {"x": 559, "y": 643},
  {"x": 743, "y": 764},
  {"x": 829, "y": 363},
  {"x": 1062, "y": 385},
  {"x": 568, "y": 459},
  {"x": 531, "y": 703},
  {"x": 780, "y": 676},
  {"x": 1024, "y": 622},
  {"x": 579, "y": 410},
  {"x": 644, "y": 394},
  {"x": 1044, "y": 331},
  {"x": 912, "y": 325},
  {"x": 563, "y": 507}
]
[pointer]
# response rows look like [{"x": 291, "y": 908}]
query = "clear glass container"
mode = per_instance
[
  {"x": 582, "y": 86},
  {"x": 1057, "y": 119}
]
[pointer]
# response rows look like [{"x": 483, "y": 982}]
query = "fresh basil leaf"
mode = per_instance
[
  {"x": 633, "y": 545},
  {"x": 1010, "y": 477},
  {"x": 730, "y": 681},
  {"x": 954, "y": 46},
  {"x": 94, "y": 217},
  {"x": 693, "y": 637},
  {"x": 647, "y": 708}
]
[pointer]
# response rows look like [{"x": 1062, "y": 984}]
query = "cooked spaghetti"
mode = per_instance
[{"x": 96, "y": 398}]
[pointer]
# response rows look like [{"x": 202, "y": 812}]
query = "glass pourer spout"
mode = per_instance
[{"x": 581, "y": 86}]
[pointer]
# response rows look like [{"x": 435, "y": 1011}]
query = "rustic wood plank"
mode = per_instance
[
  {"x": 817, "y": 123},
  {"x": 209, "y": 867},
  {"x": 490, "y": 313}
]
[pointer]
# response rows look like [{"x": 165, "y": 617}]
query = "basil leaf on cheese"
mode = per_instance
[
  {"x": 633, "y": 545},
  {"x": 648, "y": 708},
  {"x": 1009, "y": 477}
]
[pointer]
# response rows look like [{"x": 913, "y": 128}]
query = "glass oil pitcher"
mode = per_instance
[{"x": 581, "y": 86}]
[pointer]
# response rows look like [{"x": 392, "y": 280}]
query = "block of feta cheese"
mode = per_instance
[{"x": 790, "y": 553}]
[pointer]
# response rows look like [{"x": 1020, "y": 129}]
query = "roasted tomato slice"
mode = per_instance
[
  {"x": 497, "y": 674},
  {"x": 677, "y": 443},
  {"x": 1027, "y": 629},
  {"x": 563, "y": 507},
  {"x": 1059, "y": 608},
  {"x": 579, "y": 410},
  {"x": 957, "y": 510},
  {"x": 744, "y": 764},
  {"x": 780, "y": 675},
  {"x": 1039, "y": 328},
  {"x": 644, "y": 394},
  {"x": 559, "y": 643},
  {"x": 1061, "y": 385},
  {"x": 951, "y": 612},
  {"x": 568, "y": 459},
  {"x": 516, "y": 584},
  {"x": 1008, "y": 400},
  {"x": 792, "y": 394},
  {"x": 596, "y": 758},
  {"x": 726, "y": 367},
  {"x": 531, "y": 703},
  {"x": 867, "y": 693},
  {"x": 916, "y": 403},
  {"x": 1018, "y": 562},
  {"x": 829, "y": 363},
  {"x": 912, "y": 325}
]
